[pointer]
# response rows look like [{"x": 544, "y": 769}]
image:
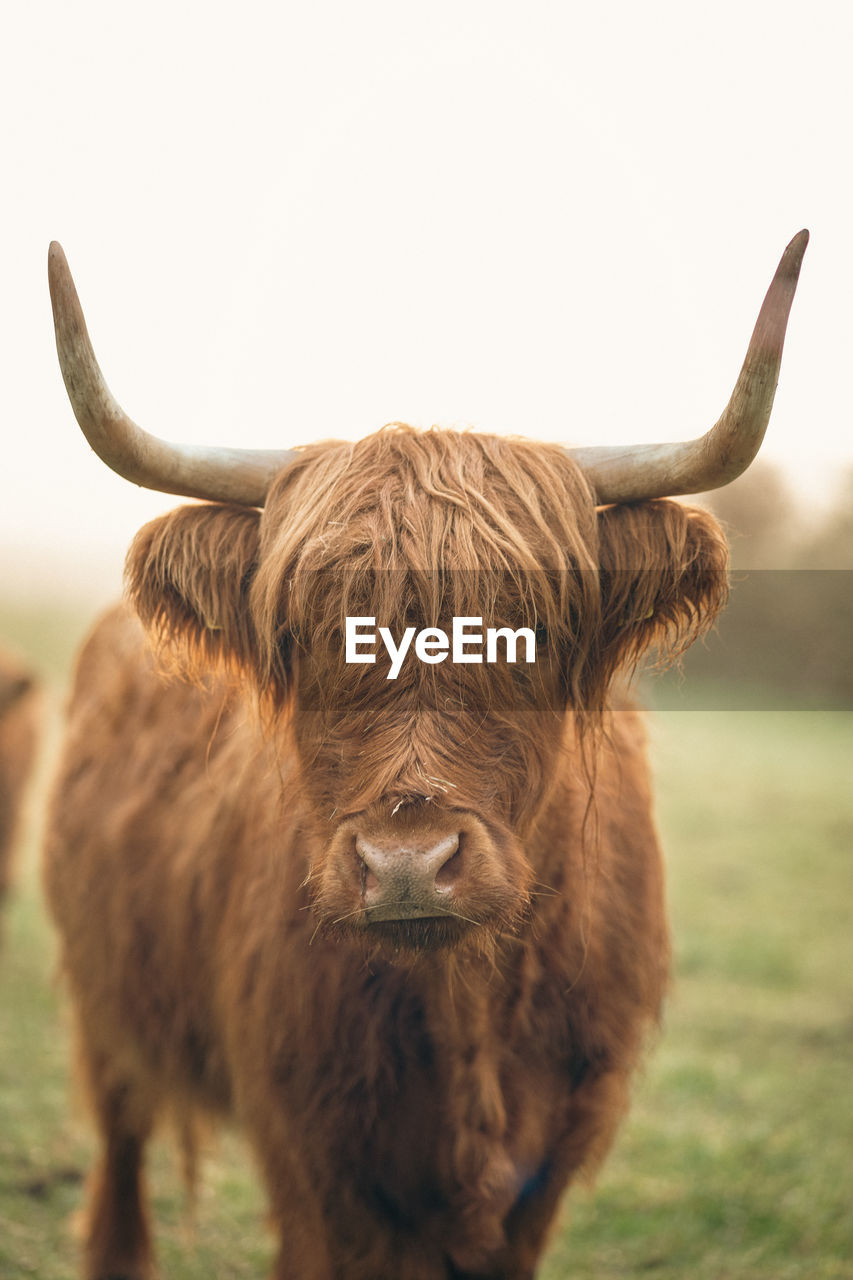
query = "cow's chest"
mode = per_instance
[{"x": 452, "y": 1128}]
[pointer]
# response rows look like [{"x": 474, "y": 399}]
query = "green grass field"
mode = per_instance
[{"x": 736, "y": 1160}]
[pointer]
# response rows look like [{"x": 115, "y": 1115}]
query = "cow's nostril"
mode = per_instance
[
  {"x": 369, "y": 881},
  {"x": 448, "y": 873}
]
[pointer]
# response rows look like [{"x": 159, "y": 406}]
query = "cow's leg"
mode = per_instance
[
  {"x": 309, "y": 1250},
  {"x": 597, "y": 1107},
  {"x": 118, "y": 1240}
]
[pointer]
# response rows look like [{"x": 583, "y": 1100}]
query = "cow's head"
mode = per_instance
[{"x": 422, "y": 791}]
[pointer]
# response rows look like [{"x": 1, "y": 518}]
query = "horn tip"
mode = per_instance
[
  {"x": 57, "y": 263},
  {"x": 795, "y": 250}
]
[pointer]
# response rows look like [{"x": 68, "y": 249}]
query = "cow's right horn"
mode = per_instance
[
  {"x": 634, "y": 473},
  {"x": 193, "y": 471}
]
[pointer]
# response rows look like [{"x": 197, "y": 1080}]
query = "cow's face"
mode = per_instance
[{"x": 422, "y": 793}]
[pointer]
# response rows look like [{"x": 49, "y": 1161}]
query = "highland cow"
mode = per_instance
[
  {"x": 410, "y": 933},
  {"x": 18, "y": 735}
]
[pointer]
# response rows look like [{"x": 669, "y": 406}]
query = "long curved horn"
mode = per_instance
[
  {"x": 194, "y": 471},
  {"x": 635, "y": 473}
]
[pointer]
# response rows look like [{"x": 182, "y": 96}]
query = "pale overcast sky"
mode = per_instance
[{"x": 294, "y": 221}]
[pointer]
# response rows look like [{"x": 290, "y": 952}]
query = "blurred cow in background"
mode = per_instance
[
  {"x": 410, "y": 933},
  {"x": 18, "y": 735}
]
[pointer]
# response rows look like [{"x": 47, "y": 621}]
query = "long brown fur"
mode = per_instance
[{"x": 419, "y": 1092}]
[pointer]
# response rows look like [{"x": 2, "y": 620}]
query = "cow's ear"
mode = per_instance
[
  {"x": 663, "y": 579},
  {"x": 188, "y": 575}
]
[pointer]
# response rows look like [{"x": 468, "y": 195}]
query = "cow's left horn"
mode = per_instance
[
  {"x": 194, "y": 471},
  {"x": 635, "y": 473}
]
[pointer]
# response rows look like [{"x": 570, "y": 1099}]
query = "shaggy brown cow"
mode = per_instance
[
  {"x": 18, "y": 732},
  {"x": 409, "y": 932}
]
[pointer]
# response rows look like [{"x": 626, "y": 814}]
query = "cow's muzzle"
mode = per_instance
[{"x": 420, "y": 878}]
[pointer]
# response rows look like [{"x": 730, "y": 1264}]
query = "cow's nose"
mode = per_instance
[{"x": 412, "y": 876}]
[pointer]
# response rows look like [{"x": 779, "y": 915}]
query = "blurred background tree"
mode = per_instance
[
  {"x": 761, "y": 518},
  {"x": 830, "y": 545}
]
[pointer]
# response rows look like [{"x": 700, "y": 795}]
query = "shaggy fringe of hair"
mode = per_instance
[{"x": 430, "y": 523}]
